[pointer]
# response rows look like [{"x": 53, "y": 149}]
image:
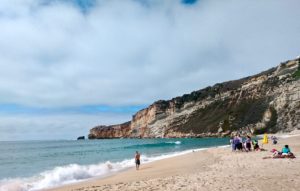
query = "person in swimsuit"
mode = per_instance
[{"x": 137, "y": 160}]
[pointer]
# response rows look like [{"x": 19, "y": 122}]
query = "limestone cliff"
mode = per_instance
[{"x": 266, "y": 102}]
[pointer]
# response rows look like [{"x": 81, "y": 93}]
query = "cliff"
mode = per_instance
[{"x": 266, "y": 102}]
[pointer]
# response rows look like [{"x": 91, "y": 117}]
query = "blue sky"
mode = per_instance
[
  {"x": 86, "y": 109},
  {"x": 68, "y": 65}
]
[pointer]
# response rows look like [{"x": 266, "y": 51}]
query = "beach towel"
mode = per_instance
[{"x": 280, "y": 156}]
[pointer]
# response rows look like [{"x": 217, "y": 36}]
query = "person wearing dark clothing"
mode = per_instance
[{"x": 137, "y": 160}]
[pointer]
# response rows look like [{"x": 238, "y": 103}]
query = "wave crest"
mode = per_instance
[
  {"x": 74, "y": 173},
  {"x": 63, "y": 175},
  {"x": 148, "y": 145},
  {"x": 175, "y": 142}
]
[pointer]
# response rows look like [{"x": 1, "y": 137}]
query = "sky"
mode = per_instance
[{"x": 69, "y": 65}]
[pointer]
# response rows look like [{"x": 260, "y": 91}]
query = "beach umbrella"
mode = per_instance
[{"x": 265, "y": 139}]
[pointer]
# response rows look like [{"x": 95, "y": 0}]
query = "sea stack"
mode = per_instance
[{"x": 81, "y": 138}]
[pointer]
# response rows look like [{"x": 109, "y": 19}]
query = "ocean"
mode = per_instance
[{"x": 35, "y": 165}]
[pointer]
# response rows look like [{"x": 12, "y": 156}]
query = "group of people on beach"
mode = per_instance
[{"x": 239, "y": 143}]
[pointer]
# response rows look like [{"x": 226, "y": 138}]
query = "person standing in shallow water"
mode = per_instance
[{"x": 137, "y": 160}]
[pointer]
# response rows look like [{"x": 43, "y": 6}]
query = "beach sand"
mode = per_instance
[{"x": 212, "y": 169}]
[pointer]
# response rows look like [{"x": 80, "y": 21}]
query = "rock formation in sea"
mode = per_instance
[
  {"x": 81, "y": 138},
  {"x": 266, "y": 102}
]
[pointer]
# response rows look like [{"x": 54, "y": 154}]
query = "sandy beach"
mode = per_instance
[{"x": 212, "y": 169}]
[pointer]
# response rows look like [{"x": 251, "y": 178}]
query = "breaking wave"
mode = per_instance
[
  {"x": 175, "y": 142},
  {"x": 73, "y": 173}
]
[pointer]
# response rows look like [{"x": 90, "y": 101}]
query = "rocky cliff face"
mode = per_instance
[{"x": 266, "y": 102}]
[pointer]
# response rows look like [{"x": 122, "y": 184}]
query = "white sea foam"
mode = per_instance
[
  {"x": 286, "y": 136},
  {"x": 177, "y": 142},
  {"x": 174, "y": 142},
  {"x": 63, "y": 175},
  {"x": 74, "y": 173}
]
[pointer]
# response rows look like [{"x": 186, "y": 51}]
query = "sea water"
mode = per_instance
[{"x": 34, "y": 165}]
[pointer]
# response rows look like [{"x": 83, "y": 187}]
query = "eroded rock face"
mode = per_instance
[
  {"x": 112, "y": 131},
  {"x": 266, "y": 102}
]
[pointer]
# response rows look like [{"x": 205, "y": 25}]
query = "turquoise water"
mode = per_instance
[{"x": 32, "y": 165}]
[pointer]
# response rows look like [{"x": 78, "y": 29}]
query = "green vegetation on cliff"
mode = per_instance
[
  {"x": 296, "y": 75},
  {"x": 233, "y": 115}
]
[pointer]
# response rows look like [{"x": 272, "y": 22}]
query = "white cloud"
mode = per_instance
[
  {"x": 53, "y": 127},
  {"x": 128, "y": 53},
  {"x": 123, "y": 52}
]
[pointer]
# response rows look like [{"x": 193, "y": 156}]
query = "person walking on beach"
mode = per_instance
[{"x": 137, "y": 160}]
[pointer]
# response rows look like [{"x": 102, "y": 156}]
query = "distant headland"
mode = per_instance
[{"x": 266, "y": 102}]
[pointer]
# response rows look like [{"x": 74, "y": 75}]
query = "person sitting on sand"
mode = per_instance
[
  {"x": 286, "y": 150},
  {"x": 276, "y": 153},
  {"x": 137, "y": 160},
  {"x": 274, "y": 140},
  {"x": 255, "y": 145},
  {"x": 279, "y": 155}
]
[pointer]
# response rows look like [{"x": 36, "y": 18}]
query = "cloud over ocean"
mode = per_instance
[{"x": 74, "y": 53}]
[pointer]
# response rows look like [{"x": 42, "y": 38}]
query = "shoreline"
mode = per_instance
[
  {"x": 143, "y": 166},
  {"x": 194, "y": 170},
  {"x": 73, "y": 173},
  {"x": 124, "y": 170}
]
